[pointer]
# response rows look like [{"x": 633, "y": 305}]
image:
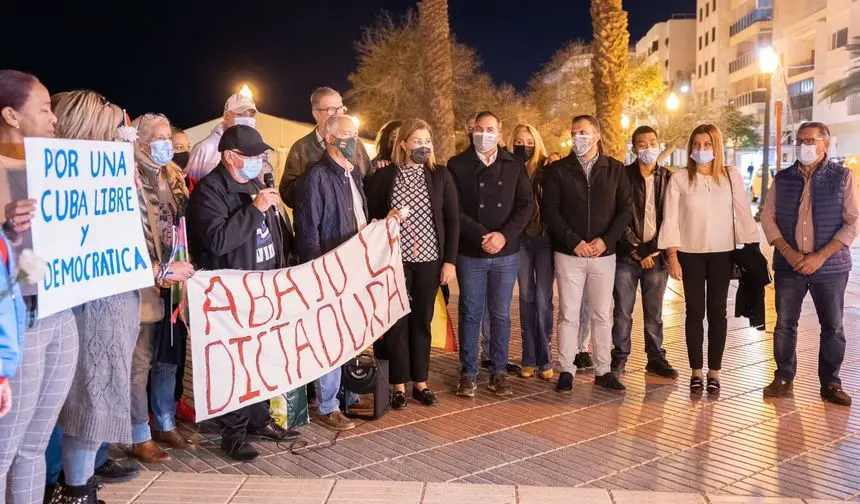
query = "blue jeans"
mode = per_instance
[
  {"x": 487, "y": 281},
  {"x": 535, "y": 278},
  {"x": 828, "y": 294},
  {"x": 79, "y": 459},
  {"x": 653, "y": 281},
  {"x": 485, "y": 334},
  {"x": 54, "y": 456},
  {"x": 328, "y": 392},
  {"x": 162, "y": 382}
]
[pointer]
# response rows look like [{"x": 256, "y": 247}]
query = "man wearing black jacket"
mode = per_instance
[
  {"x": 586, "y": 208},
  {"x": 639, "y": 261},
  {"x": 495, "y": 206},
  {"x": 234, "y": 224}
]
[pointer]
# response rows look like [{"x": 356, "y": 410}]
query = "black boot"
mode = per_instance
[{"x": 84, "y": 494}]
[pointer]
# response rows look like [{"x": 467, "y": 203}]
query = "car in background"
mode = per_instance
[{"x": 755, "y": 186}]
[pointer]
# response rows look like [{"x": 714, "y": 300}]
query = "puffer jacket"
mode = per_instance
[{"x": 13, "y": 315}]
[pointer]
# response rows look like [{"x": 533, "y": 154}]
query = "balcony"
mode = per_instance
[
  {"x": 750, "y": 98},
  {"x": 801, "y": 67},
  {"x": 750, "y": 18},
  {"x": 742, "y": 62},
  {"x": 801, "y": 115},
  {"x": 853, "y": 104}
]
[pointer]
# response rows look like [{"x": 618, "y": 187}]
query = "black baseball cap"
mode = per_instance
[{"x": 244, "y": 139}]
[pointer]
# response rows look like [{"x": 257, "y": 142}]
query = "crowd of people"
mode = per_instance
[{"x": 501, "y": 213}]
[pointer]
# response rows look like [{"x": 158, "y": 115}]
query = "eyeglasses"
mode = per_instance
[
  {"x": 333, "y": 110},
  {"x": 807, "y": 141}
]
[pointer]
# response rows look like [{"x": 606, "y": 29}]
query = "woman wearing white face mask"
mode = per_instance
[
  {"x": 706, "y": 214},
  {"x": 163, "y": 197}
]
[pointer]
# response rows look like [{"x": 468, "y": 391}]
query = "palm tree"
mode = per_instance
[
  {"x": 849, "y": 85},
  {"x": 438, "y": 73},
  {"x": 609, "y": 71}
]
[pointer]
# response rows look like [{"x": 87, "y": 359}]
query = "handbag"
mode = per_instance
[
  {"x": 737, "y": 272},
  {"x": 151, "y": 303}
]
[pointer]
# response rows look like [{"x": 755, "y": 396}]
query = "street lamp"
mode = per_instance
[
  {"x": 673, "y": 102},
  {"x": 625, "y": 121},
  {"x": 768, "y": 62},
  {"x": 246, "y": 91}
]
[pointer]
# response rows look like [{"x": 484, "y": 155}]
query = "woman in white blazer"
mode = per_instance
[{"x": 706, "y": 215}]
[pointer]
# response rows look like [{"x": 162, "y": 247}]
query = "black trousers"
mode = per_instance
[
  {"x": 234, "y": 425},
  {"x": 407, "y": 344},
  {"x": 706, "y": 280}
]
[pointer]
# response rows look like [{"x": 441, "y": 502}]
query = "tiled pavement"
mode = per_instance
[{"x": 653, "y": 437}]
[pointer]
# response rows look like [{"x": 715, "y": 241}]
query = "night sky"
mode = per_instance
[{"x": 183, "y": 58}]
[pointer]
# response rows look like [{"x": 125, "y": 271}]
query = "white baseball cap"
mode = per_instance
[{"x": 239, "y": 103}]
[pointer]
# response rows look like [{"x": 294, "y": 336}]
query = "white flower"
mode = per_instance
[
  {"x": 31, "y": 267},
  {"x": 405, "y": 211},
  {"x": 126, "y": 133}
]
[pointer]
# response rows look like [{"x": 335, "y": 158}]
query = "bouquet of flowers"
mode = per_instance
[{"x": 31, "y": 269}]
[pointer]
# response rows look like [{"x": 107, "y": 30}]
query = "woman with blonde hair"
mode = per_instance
[
  {"x": 98, "y": 407},
  {"x": 706, "y": 215},
  {"x": 430, "y": 235},
  {"x": 535, "y": 275},
  {"x": 163, "y": 197}
]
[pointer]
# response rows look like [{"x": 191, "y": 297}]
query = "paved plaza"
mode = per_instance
[{"x": 595, "y": 446}]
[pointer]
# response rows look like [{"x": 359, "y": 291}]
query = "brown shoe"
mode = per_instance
[
  {"x": 833, "y": 393},
  {"x": 174, "y": 439},
  {"x": 336, "y": 421},
  {"x": 149, "y": 453},
  {"x": 363, "y": 405},
  {"x": 779, "y": 388}
]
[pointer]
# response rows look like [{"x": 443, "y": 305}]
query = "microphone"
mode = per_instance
[{"x": 269, "y": 182}]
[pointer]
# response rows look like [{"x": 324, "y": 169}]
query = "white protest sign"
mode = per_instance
[
  {"x": 257, "y": 334},
  {"x": 87, "y": 225}
]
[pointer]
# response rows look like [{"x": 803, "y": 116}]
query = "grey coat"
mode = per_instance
[{"x": 98, "y": 407}]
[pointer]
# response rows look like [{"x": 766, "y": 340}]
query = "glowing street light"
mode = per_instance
[
  {"x": 768, "y": 62},
  {"x": 246, "y": 91},
  {"x": 673, "y": 102},
  {"x": 625, "y": 121},
  {"x": 685, "y": 88},
  {"x": 356, "y": 121}
]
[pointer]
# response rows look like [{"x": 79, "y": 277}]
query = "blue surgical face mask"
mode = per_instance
[
  {"x": 161, "y": 151},
  {"x": 252, "y": 168},
  {"x": 702, "y": 157},
  {"x": 649, "y": 156},
  {"x": 247, "y": 121}
]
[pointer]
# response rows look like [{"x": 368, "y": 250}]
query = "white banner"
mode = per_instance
[
  {"x": 258, "y": 334},
  {"x": 87, "y": 225}
]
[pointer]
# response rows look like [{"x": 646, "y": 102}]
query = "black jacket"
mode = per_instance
[
  {"x": 631, "y": 240},
  {"x": 443, "y": 201},
  {"x": 324, "y": 213},
  {"x": 575, "y": 209},
  {"x": 492, "y": 198},
  {"x": 755, "y": 276},
  {"x": 223, "y": 224}
]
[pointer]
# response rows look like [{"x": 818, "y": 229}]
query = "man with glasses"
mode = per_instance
[
  {"x": 332, "y": 209},
  {"x": 234, "y": 224},
  {"x": 810, "y": 218},
  {"x": 308, "y": 150}
]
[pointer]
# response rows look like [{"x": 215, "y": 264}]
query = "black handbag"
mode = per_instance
[{"x": 737, "y": 271}]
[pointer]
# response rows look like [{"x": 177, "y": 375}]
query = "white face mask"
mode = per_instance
[
  {"x": 702, "y": 157},
  {"x": 649, "y": 156},
  {"x": 485, "y": 142},
  {"x": 582, "y": 144},
  {"x": 807, "y": 154},
  {"x": 247, "y": 121}
]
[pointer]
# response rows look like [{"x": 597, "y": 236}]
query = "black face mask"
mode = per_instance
[
  {"x": 523, "y": 153},
  {"x": 181, "y": 158}
]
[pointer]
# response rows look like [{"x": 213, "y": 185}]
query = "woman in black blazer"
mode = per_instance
[{"x": 430, "y": 236}]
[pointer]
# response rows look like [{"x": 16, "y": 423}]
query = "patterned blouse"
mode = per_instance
[{"x": 418, "y": 233}]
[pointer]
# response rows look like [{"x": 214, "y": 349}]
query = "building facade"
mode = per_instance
[{"x": 667, "y": 45}]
